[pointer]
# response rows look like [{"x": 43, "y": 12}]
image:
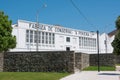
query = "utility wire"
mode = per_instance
[{"x": 80, "y": 12}]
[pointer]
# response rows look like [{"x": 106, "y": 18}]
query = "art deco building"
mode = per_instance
[{"x": 44, "y": 37}]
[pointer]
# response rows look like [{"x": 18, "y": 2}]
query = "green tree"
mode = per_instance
[
  {"x": 7, "y": 41},
  {"x": 116, "y": 41},
  {"x": 118, "y": 23}
]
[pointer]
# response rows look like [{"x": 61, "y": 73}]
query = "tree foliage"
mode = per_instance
[
  {"x": 7, "y": 41},
  {"x": 118, "y": 23},
  {"x": 116, "y": 41}
]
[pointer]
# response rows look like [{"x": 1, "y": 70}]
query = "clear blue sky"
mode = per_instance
[{"x": 101, "y": 13}]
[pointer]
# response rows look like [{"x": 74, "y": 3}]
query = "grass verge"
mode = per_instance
[
  {"x": 102, "y": 68},
  {"x": 31, "y": 75},
  {"x": 117, "y": 64}
]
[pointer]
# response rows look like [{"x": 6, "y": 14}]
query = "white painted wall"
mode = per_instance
[
  {"x": 60, "y": 39},
  {"x": 106, "y": 48}
]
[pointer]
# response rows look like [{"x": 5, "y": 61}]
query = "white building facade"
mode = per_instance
[
  {"x": 55, "y": 38},
  {"x": 105, "y": 43}
]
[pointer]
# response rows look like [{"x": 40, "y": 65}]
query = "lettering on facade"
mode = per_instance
[
  {"x": 41, "y": 27},
  {"x": 50, "y": 28},
  {"x": 82, "y": 33},
  {"x": 57, "y": 29},
  {"x": 63, "y": 30}
]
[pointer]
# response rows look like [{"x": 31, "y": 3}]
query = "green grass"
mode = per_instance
[
  {"x": 117, "y": 64},
  {"x": 31, "y": 75},
  {"x": 102, "y": 68}
]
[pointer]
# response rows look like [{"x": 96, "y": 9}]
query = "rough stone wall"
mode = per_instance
[
  {"x": 77, "y": 62},
  {"x": 85, "y": 60},
  {"x": 81, "y": 60},
  {"x": 104, "y": 59},
  {"x": 57, "y": 61},
  {"x": 117, "y": 60},
  {"x": 1, "y": 61}
]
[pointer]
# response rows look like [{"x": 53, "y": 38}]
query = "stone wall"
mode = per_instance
[
  {"x": 57, "y": 61},
  {"x": 85, "y": 60},
  {"x": 104, "y": 59},
  {"x": 117, "y": 60},
  {"x": 1, "y": 61},
  {"x": 81, "y": 60}
]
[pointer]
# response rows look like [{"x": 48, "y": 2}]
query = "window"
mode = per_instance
[
  {"x": 46, "y": 38},
  {"x": 49, "y": 38},
  {"x": 67, "y": 39},
  {"x": 80, "y": 41},
  {"x": 43, "y": 37},
  {"x": 27, "y": 35},
  {"x": 39, "y": 37},
  {"x": 35, "y": 36},
  {"x": 88, "y": 42},
  {"x": 53, "y": 38},
  {"x": 94, "y": 42},
  {"x": 85, "y": 41},
  {"x": 31, "y": 36}
]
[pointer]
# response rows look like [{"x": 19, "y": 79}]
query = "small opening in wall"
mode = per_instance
[{"x": 67, "y": 48}]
